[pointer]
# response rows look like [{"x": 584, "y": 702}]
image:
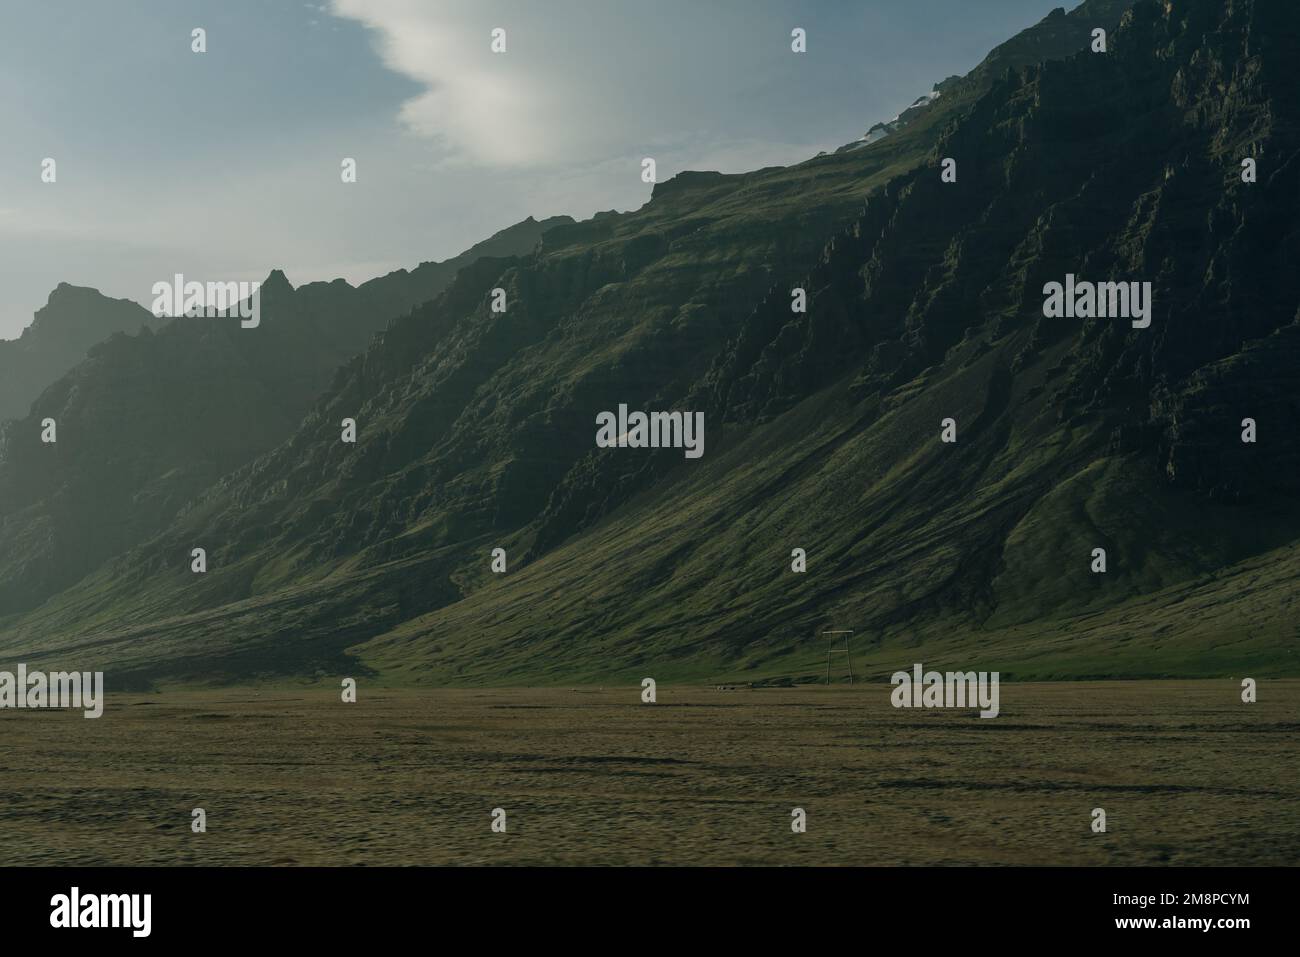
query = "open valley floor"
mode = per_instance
[{"x": 1186, "y": 773}]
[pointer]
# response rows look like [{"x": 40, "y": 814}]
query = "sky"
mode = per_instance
[{"x": 225, "y": 164}]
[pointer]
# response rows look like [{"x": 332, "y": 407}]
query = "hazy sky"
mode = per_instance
[{"x": 225, "y": 164}]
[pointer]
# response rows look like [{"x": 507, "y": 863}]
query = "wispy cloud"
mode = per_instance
[
  {"x": 478, "y": 106},
  {"x": 584, "y": 83}
]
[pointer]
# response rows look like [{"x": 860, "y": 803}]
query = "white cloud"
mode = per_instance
[
  {"x": 480, "y": 107},
  {"x": 583, "y": 83}
]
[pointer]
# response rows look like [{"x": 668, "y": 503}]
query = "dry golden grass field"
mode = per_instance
[{"x": 1187, "y": 775}]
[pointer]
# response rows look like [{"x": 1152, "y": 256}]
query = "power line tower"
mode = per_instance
[{"x": 832, "y": 650}]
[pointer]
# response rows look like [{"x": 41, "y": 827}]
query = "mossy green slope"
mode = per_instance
[{"x": 476, "y": 428}]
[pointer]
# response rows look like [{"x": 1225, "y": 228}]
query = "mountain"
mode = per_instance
[
  {"x": 147, "y": 422},
  {"x": 73, "y": 320},
  {"x": 879, "y": 131},
  {"x": 824, "y": 428},
  {"x": 1057, "y": 36}
]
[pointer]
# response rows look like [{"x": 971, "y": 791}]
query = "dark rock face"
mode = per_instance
[
  {"x": 1203, "y": 417},
  {"x": 1123, "y": 166}
]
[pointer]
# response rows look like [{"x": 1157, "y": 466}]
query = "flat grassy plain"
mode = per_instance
[{"x": 1187, "y": 775}]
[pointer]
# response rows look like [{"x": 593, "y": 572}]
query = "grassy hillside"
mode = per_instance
[{"x": 476, "y": 427}]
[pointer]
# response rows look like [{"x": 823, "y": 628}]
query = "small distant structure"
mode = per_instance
[{"x": 832, "y": 650}]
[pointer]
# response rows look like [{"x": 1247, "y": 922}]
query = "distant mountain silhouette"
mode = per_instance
[
  {"x": 73, "y": 320},
  {"x": 146, "y": 422}
]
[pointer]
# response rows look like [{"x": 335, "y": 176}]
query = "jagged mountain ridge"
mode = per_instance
[
  {"x": 63, "y": 330},
  {"x": 147, "y": 422},
  {"x": 926, "y": 306},
  {"x": 297, "y": 514}
]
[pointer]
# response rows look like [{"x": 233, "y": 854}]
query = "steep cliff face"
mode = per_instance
[
  {"x": 926, "y": 303},
  {"x": 1074, "y": 434},
  {"x": 1123, "y": 166}
]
